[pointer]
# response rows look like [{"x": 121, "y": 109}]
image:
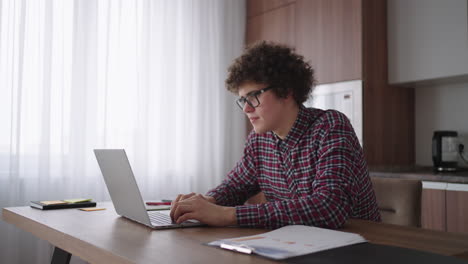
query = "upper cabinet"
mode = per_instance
[
  {"x": 329, "y": 36},
  {"x": 275, "y": 25},
  {"x": 258, "y": 7},
  {"x": 427, "y": 40}
]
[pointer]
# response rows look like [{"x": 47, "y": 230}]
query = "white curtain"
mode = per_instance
[{"x": 142, "y": 75}]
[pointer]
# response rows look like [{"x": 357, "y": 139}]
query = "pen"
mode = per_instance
[
  {"x": 158, "y": 203},
  {"x": 239, "y": 248}
]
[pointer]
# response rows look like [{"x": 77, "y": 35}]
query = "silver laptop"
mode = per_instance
[{"x": 125, "y": 194}]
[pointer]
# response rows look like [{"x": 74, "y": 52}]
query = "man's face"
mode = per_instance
[{"x": 267, "y": 115}]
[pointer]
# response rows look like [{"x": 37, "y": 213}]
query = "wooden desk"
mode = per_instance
[{"x": 104, "y": 237}]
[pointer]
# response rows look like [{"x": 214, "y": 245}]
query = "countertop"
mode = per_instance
[{"x": 425, "y": 174}]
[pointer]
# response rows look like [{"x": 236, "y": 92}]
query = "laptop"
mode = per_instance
[{"x": 126, "y": 195}]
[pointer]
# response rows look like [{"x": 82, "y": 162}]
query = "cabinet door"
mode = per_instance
[
  {"x": 275, "y": 25},
  {"x": 257, "y": 7},
  {"x": 329, "y": 35},
  {"x": 457, "y": 208},
  {"x": 433, "y": 206},
  {"x": 427, "y": 40}
]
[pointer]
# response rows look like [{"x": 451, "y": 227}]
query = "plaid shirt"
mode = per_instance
[{"x": 316, "y": 176}]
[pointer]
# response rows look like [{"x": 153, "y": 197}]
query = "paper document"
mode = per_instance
[{"x": 290, "y": 241}]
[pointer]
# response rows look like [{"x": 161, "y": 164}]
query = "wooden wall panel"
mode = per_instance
[
  {"x": 433, "y": 209},
  {"x": 258, "y": 7},
  {"x": 457, "y": 211},
  {"x": 329, "y": 36},
  {"x": 388, "y": 110},
  {"x": 277, "y": 25}
]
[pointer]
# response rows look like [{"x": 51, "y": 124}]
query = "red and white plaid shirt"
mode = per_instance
[{"x": 316, "y": 176}]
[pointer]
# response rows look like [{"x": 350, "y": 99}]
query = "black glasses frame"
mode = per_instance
[{"x": 249, "y": 98}]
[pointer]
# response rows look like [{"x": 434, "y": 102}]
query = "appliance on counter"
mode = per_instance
[{"x": 445, "y": 150}]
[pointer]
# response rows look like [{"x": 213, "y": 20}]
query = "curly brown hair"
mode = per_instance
[{"x": 275, "y": 65}]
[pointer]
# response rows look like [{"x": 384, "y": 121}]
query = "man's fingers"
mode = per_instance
[
  {"x": 184, "y": 207},
  {"x": 185, "y": 217},
  {"x": 181, "y": 210},
  {"x": 194, "y": 197},
  {"x": 174, "y": 205},
  {"x": 173, "y": 208},
  {"x": 187, "y": 196}
]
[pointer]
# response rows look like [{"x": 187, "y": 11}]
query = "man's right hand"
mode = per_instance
[{"x": 182, "y": 197}]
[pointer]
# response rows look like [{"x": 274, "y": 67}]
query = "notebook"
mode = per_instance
[
  {"x": 125, "y": 194},
  {"x": 61, "y": 204}
]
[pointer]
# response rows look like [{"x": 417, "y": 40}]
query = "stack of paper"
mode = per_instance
[{"x": 290, "y": 241}]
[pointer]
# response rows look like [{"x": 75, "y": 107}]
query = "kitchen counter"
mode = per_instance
[{"x": 425, "y": 174}]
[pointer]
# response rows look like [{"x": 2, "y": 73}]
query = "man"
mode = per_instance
[{"x": 307, "y": 162}]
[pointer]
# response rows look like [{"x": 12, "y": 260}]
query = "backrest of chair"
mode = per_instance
[{"x": 399, "y": 200}]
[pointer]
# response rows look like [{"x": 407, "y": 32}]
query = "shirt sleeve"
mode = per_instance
[
  {"x": 241, "y": 182},
  {"x": 330, "y": 202}
]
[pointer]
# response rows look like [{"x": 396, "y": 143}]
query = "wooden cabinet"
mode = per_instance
[
  {"x": 388, "y": 127},
  {"x": 445, "y": 207},
  {"x": 428, "y": 40},
  {"x": 433, "y": 214},
  {"x": 329, "y": 36},
  {"x": 457, "y": 208},
  {"x": 258, "y": 7},
  {"x": 276, "y": 25}
]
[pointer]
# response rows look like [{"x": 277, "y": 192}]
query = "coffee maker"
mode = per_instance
[{"x": 445, "y": 150}]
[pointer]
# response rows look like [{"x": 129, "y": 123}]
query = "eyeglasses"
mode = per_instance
[{"x": 252, "y": 98}]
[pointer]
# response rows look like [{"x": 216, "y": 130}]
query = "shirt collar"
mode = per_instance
[{"x": 303, "y": 121}]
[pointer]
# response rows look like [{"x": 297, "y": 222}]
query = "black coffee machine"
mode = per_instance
[{"x": 445, "y": 150}]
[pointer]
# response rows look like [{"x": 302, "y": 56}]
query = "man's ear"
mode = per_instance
[{"x": 290, "y": 98}]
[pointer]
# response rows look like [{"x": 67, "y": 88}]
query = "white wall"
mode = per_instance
[{"x": 440, "y": 107}]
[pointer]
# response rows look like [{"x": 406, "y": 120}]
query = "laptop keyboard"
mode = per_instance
[{"x": 159, "y": 218}]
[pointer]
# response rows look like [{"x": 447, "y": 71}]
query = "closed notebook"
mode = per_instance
[{"x": 61, "y": 204}]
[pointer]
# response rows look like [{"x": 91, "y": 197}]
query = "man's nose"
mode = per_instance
[{"x": 248, "y": 108}]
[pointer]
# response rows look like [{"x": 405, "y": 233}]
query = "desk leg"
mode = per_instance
[{"x": 60, "y": 256}]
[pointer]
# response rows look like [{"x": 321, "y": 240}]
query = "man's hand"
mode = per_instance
[
  {"x": 182, "y": 197},
  {"x": 203, "y": 209}
]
